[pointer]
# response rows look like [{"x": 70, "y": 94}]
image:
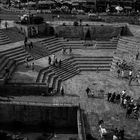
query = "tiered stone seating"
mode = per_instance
[
  {"x": 112, "y": 44},
  {"x": 126, "y": 46},
  {"x": 10, "y": 59},
  {"x": 74, "y": 44},
  {"x": 70, "y": 67},
  {"x": 4, "y": 39},
  {"x": 89, "y": 63},
  {"x": 38, "y": 51},
  {"x": 52, "y": 44},
  {"x": 53, "y": 76},
  {"x": 13, "y": 34}
]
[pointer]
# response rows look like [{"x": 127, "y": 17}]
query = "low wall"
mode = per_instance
[
  {"x": 32, "y": 30},
  {"x": 93, "y": 32},
  {"x": 23, "y": 89},
  {"x": 48, "y": 116}
]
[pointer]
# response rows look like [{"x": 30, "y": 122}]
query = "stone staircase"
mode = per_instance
[
  {"x": 79, "y": 44},
  {"x": 52, "y": 44},
  {"x": 92, "y": 63},
  {"x": 13, "y": 34},
  {"x": 11, "y": 59},
  {"x": 38, "y": 51},
  {"x": 54, "y": 76},
  {"x": 112, "y": 44},
  {"x": 4, "y": 39},
  {"x": 126, "y": 49},
  {"x": 70, "y": 67},
  {"x": 128, "y": 44}
]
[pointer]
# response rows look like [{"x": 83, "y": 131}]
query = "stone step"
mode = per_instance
[
  {"x": 16, "y": 53},
  {"x": 45, "y": 75},
  {"x": 21, "y": 60},
  {"x": 9, "y": 66},
  {"x": 41, "y": 73},
  {"x": 55, "y": 49},
  {"x": 49, "y": 77},
  {"x": 15, "y": 57},
  {"x": 5, "y": 63},
  {"x": 58, "y": 85},
  {"x": 10, "y": 50},
  {"x": 94, "y": 69},
  {"x": 53, "y": 45},
  {"x": 47, "y": 40}
]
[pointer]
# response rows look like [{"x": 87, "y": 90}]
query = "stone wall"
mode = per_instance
[
  {"x": 97, "y": 32},
  {"x": 49, "y": 116},
  {"x": 32, "y": 30}
]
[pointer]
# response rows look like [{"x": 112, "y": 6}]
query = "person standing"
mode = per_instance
[
  {"x": 6, "y": 24},
  {"x": 70, "y": 50},
  {"x": 33, "y": 66},
  {"x": 62, "y": 91},
  {"x": 25, "y": 41},
  {"x": 88, "y": 91},
  {"x": 137, "y": 55},
  {"x": 49, "y": 60},
  {"x": 59, "y": 63}
]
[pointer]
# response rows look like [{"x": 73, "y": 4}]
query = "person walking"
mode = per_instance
[
  {"x": 62, "y": 91},
  {"x": 49, "y": 60},
  {"x": 25, "y": 41},
  {"x": 59, "y": 63},
  {"x": 70, "y": 50},
  {"x": 137, "y": 55},
  {"x": 88, "y": 91},
  {"x": 6, "y": 24},
  {"x": 33, "y": 66}
]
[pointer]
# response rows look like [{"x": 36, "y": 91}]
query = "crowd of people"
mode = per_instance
[
  {"x": 126, "y": 101},
  {"x": 127, "y": 71},
  {"x": 53, "y": 61},
  {"x": 114, "y": 134}
]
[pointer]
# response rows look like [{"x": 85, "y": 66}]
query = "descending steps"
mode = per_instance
[
  {"x": 10, "y": 59},
  {"x": 52, "y": 44},
  {"x": 53, "y": 75},
  {"x": 112, "y": 44},
  {"x": 70, "y": 67},
  {"x": 13, "y": 34},
  {"x": 127, "y": 48},
  {"x": 89, "y": 63},
  {"x": 74, "y": 44},
  {"x": 4, "y": 39}
]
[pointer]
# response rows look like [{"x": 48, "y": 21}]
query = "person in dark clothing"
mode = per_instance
[
  {"x": 25, "y": 41},
  {"x": 70, "y": 50},
  {"x": 88, "y": 90},
  {"x": 59, "y": 63},
  {"x": 128, "y": 112},
  {"x": 109, "y": 96},
  {"x": 112, "y": 99},
  {"x": 118, "y": 72},
  {"x": 56, "y": 62},
  {"x": 137, "y": 55},
  {"x": 118, "y": 96},
  {"x": 62, "y": 91},
  {"x": 100, "y": 122},
  {"x": 31, "y": 44},
  {"x": 116, "y": 131},
  {"x": 121, "y": 134},
  {"x": 49, "y": 60}
]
